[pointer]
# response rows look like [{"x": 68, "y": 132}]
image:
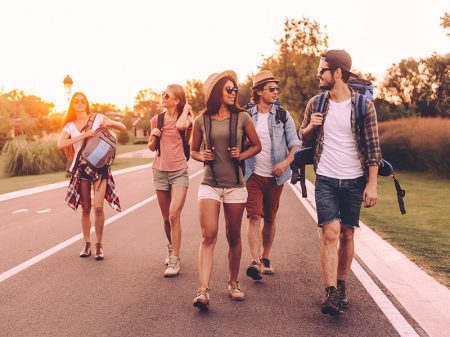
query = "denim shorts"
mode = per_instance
[{"x": 339, "y": 199}]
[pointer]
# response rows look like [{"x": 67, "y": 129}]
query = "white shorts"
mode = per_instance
[{"x": 226, "y": 195}]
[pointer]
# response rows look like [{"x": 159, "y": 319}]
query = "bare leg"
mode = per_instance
[
  {"x": 268, "y": 235},
  {"x": 176, "y": 205},
  {"x": 254, "y": 236},
  {"x": 209, "y": 211},
  {"x": 99, "y": 199},
  {"x": 164, "y": 198},
  {"x": 233, "y": 219},
  {"x": 85, "y": 197},
  {"x": 329, "y": 253},
  {"x": 345, "y": 252}
]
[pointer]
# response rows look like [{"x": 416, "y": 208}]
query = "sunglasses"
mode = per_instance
[
  {"x": 323, "y": 70},
  {"x": 230, "y": 90},
  {"x": 78, "y": 101},
  {"x": 272, "y": 89},
  {"x": 165, "y": 95}
]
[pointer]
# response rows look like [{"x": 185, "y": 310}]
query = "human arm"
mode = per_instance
[
  {"x": 196, "y": 141},
  {"x": 154, "y": 133},
  {"x": 293, "y": 144},
  {"x": 110, "y": 124},
  {"x": 65, "y": 140},
  {"x": 185, "y": 120},
  {"x": 370, "y": 195},
  {"x": 255, "y": 143},
  {"x": 312, "y": 121}
]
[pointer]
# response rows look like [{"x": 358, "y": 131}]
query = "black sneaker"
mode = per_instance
[
  {"x": 254, "y": 271},
  {"x": 330, "y": 304},
  {"x": 342, "y": 297},
  {"x": 267, "y": 267}
]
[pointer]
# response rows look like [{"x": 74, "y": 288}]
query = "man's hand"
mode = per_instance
[
  {"x": 370, "y": 196},
  {"x": 279, "y": 168}
]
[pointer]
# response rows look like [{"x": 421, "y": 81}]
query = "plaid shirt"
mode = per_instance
[
  {"x": 73, "y": 190},
  {"x": 369, "y": 153}
]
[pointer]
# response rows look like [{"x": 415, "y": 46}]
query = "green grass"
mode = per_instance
[
  {"x": 10, "y": 184},
  {"x": 423, "y": 233}
]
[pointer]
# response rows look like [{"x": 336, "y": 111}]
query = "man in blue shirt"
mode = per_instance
[{"x": 267, "y": 172}]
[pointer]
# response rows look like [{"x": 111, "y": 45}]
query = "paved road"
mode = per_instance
[{"x": 126, "y": 294}]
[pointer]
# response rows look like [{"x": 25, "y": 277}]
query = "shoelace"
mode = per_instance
[
  {"x": 235, "y": 285},
  {"x": 202, "y": 291}
]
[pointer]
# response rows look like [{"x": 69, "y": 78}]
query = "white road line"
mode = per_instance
[
  {"x": 47, "y": 210},
  {"x": 390, "y": 311},
  {"x": 21, "y": 267},
  {"x": 49, "y": 187},
  {"x": 20, "y": 211}
]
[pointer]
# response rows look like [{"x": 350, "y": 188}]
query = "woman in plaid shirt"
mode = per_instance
[{"x": 74, "y": 134}]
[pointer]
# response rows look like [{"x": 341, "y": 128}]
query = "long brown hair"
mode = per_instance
[
  {"x": 180, "y": 95},
  {"x": 70, "y": 117},
  {"x": 216, "y": 98}
]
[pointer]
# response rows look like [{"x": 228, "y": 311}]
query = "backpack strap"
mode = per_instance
[
  {"x": 159, "y": 125},
  {"x": 88, "y": 126},
  {"x": 207, "y": 123},
  {"x": 320, "y": 107},
  {"x": 234, "y": 117}
]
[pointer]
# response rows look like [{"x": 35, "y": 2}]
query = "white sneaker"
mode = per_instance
[
  {"x": 235, "y": 291},
  {"x": 169, "y": 253},
  {"x": 173, "y": 267}
]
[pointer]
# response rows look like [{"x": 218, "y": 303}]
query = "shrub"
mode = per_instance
[
  {"x": 417, "y": 144},
  {"x": 123, "y": 137},
  {"x": 28, "y": 158}
]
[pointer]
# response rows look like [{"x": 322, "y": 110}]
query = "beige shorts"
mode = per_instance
[
  {"x": 165, "y": 180},
  {"x": 226, "y": 195}
]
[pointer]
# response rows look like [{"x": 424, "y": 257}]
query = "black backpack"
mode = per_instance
[
  {"x": 184, "y": 137},
  {"x": 305, "y": 156}
]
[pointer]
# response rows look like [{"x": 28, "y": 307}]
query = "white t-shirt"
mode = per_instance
[
  {"x": 263, "y": 160},
  {"x": 72, "y": 130},
  {"x": 339, "y": 158}
]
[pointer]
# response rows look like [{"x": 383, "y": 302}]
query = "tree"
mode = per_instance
[
  {"x": 103, "y": 108},
  {"x": 445, "y": 22},
  {"x": 403, "y": 84},
  {"x": 296, "y": 61},
  {"x": 194, "y": 95}
]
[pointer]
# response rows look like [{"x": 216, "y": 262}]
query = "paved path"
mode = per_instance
[{"x": 126, "y": 295}]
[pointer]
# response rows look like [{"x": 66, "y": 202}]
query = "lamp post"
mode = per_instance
[{"x": 68, "y": 83}]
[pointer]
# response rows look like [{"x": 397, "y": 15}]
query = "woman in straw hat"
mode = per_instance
[
  {"x": 222, "y": 177},
  {"x": 170, "y": 169}
]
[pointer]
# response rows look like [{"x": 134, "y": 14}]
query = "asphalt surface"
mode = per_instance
[{"x": 127, "y": 295}]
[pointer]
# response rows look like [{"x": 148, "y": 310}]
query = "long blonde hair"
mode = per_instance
[{"x": 180, "y": 95}]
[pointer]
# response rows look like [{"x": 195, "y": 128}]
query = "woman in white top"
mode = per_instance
[{"x": 79, "y": 191}]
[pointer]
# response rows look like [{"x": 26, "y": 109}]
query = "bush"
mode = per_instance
[
  {"x": 417, "y": 144},
  {"x": 123, "y": 137},
  {"x": 28, "y": 158}
]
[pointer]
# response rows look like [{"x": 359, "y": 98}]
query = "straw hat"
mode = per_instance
[
  {"x": 263, "y": 77},
  {"x": 212, "y": 80}
]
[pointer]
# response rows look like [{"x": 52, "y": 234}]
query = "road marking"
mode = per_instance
[
  {"x": 49, "y": 187},
  {"x": 390, "y": 311},
  {"x": 21, "y": 267},
  {"x": 47, "y": 210},
  {"x": 20, "y": 211}
]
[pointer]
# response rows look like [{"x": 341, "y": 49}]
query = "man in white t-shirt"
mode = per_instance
[
  {"x": 267, "y": 172},
  {"x": 346, "y": 166}
]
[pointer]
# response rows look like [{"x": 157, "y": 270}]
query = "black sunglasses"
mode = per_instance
[
  {"x": 230, "y": 90},
  {"x": 272, "y": 89},
  {"x": 165, "y": 95},
  {"x": 323, "y": 70}
]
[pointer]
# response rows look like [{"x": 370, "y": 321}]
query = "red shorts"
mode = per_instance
[{"x": 263, "y": 197}]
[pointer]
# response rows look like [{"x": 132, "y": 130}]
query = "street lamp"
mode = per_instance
[{"x": 68, "y": 83}]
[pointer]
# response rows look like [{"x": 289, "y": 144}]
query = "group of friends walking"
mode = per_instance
[{"x": 247, "y": 155}]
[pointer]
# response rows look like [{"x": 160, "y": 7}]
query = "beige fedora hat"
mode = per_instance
[
  {"x": 212, "y": 80},
  {"x": 263, "y": 77}
]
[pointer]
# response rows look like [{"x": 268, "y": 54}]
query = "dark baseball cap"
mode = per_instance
[{"x": 338, "y": 58}]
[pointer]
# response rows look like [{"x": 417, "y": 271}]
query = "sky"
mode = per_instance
[{"x": 112, "y": 49}]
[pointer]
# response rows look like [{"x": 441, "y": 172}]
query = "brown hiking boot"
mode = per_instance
[
  {"x": 330, "y": 305},
  {"x": 342, "y": 296}
]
